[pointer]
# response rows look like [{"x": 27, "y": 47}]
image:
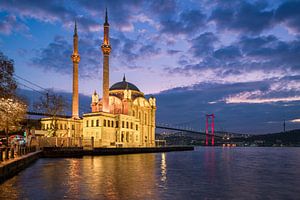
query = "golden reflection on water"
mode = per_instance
[
  {"x": 121, "y": 177},
  {"x": 163, "y": 167}
]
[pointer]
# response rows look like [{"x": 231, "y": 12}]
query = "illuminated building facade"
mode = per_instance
[{"x": 123, "y": 117}]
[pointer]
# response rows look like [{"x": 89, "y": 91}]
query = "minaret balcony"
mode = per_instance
[{"x": 75, "y": 58}]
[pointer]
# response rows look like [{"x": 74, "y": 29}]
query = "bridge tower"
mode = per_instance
[{"x": 210, "y": 124}]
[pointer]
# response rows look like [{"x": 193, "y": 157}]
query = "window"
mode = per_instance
[
  {"x": 61, "y": 126},
  {"x": 131, "y": 125},
  {"x": 112, "y": 123},
  {"x": 92, "y": 123},
  {"x": 104, "y": 123},
  {"x": 65, "y": 126},
  {"x": 73, "y": 127},
  {"x": 133, "y": 113},
  {"x": 47, "y": 126},
  {"x": 123, "y": 126},
  {"x": 108, "y": 123},
  {"x": 127, "y": 124},
  {"x": 136, "y": 127},
  {"x": 97, "y": 122},
  {"x": 87, "y": 123},
  {"x": 117, "y": 124}
]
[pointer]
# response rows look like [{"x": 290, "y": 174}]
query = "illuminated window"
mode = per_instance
[{"x": 122, "y": 137}]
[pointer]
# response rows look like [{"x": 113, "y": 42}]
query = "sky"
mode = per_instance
[{"x": 237, "y": 59}]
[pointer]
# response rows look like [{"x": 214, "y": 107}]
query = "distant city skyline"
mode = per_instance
[{"x": 237, "y": 59}]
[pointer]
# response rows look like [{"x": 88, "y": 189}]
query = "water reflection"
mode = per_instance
[
  {"x": 163, "y": 167},
  {"x": 207, "y": 173}
]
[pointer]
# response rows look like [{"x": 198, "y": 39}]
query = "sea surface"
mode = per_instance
[{"x": 206, "y": 173}]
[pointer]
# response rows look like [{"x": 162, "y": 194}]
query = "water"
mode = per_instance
[{"x": 206, "y": 173}]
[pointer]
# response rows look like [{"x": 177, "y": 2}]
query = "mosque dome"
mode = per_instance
[{"x": 123, "y": 85}]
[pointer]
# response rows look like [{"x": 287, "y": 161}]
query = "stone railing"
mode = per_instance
[{"x": 9, "y": 153}]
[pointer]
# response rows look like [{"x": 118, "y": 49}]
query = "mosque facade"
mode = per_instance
[{"x": 123, "y": 117}]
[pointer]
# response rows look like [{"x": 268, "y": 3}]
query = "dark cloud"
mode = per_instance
[
  {"x": 288, "y": 13},
  {"x": 57, "y": 57},
  {"x": 188, "y": 22},
  {"x": 248, "y": 53},
  {"x": 243, "y": 17},
  {"x": 227, "y": 53},
  {"x": 203, "y": 45},
  {"x": 49, "y": 11},
  {"x": 173, "y": 51}
]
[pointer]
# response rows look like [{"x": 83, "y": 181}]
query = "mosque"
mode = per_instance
[{"x": 123, "y": 117}]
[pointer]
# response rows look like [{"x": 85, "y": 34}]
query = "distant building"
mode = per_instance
[{"x": 123, "y": 117}]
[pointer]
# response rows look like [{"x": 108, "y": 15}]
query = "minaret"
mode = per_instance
[
  {"x": 75, "y": 58},
  {"x": 106, "y": 51}
]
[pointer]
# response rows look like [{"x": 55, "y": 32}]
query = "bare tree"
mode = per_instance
[{"x": 54, "y": 105}]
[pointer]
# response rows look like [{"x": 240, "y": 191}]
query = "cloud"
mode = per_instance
[
  {"x": 203, "y": 45},
  {"x": 295, "y": 120},
  {"x": 243, "y": 17},
  {"x": 288, "y": 14},
  {"x": 50, "y": 12},
  {"x": 10, "y": 24},
  {"x": 57, "y": 57},
  {"x": 188, "y": 22},
  {"x": 253, "y": 97}
]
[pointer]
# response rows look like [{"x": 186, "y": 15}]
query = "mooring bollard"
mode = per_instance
[
  {"x": 80, "y": 142},
  {"x": 7, "y": 153},
  {"x": 92, "y": 142},
  {"x": 12, "y": 153},
  {"x": 1, "y": 155}
]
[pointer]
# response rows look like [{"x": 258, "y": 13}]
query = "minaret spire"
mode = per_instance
[
  {"x": 106, "y": 48},
  {"x": 75, "y": 28},
  {"x": 75, "y": 58},
  {"x": 106, "y": 18}
]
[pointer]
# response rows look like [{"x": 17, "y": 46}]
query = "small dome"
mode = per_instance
[{"x": 124, "y": 85}]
